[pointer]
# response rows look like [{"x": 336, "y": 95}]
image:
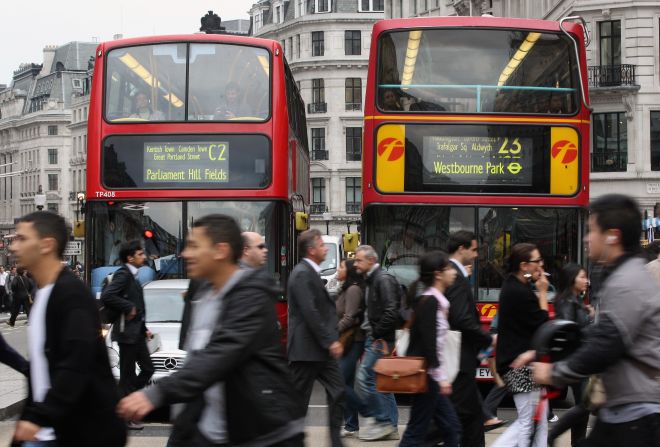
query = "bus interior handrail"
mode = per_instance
[{"x": 587, "y": 41}]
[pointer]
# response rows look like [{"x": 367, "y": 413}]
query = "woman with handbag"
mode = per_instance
[
  {"x": 572, "y": 285},
  {"x": 427, "y": 339},
  {"x": 522, "y": 311},
  {"x": 350, "y": 311},
  {"x": 22, "y": 288}
]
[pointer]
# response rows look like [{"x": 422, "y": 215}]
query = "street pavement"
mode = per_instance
[{"x": 13, "y": 390}]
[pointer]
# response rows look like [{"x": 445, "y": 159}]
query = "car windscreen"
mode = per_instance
[{"x": 164, "y": 305}]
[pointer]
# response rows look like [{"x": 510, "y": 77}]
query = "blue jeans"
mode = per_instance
[
  {"x": 432, "y": 406},
  {"x": 380, "y": 406},
  {"x": 353, "y": 405}
]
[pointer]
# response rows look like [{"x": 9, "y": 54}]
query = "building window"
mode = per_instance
[
  {"x": 353, "y": 195},
  {"x": 371, "y": 5},
  {"x": 353, "y": 94},
  {"x": 414, "y": 7},
  {"x": 322, "y": 5},
  {"x": 610, "y": 142},
  {"x": 52, "y": 182},
  {"x": 317, "y": 43},
  {"x": 353, "y": 143},
  {"x": 318, "y": 196},
  {"x": 290, "y": 46},
  {"x": 655, "y": 141},
  {"x": 300, "y": 8},
  {"x": 610, "y": 42},
  {"x": 352, "y": 43},
  {"x": 318, "y": 144},
  {"x": 52, "y": 130},
  {"x": 278, "y": 14},
  {"x": 52, "y": 207},
  {"x": 52, "y": 156},
  {"x": 283, "y": 43},
  {"x": 298, "y": 46},
  {"x": 318, "y": 104}
]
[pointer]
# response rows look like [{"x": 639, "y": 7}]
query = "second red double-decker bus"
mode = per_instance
[
  {"x": 185, "y": 126},
  {"x": 480, "y": 124}
]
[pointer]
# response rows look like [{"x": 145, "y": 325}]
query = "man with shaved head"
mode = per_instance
[{"x": 255, "y": 252}]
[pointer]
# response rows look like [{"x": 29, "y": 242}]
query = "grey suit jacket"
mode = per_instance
[{"x": 312, "y": 316}]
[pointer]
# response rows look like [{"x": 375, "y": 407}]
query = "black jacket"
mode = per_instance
[
  {"x": 424, "y": 331},
  {"x": 80, "y": 404},
  {"x": 383, "y": 301},
  {"x": 464, "y": 317},
  {"x": 519, "y": 317},
  {"x": 312, "y": 316},
  {"x": 21, "y": 287},
  {"x": 245, "y": 353},
  {"x": 571, "y": 308},
  {"x": 122, "y": 294}
]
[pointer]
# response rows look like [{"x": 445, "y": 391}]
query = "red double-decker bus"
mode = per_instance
[
  {"x": 185, "y": 126},
  {"x": 480, "y": 124}
]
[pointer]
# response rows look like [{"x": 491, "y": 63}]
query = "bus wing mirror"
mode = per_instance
[
  {"x": 350, "y": 242},
  {"x": 302, "y": 221}
]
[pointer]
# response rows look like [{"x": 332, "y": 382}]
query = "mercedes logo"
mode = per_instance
[{"x": 170, "y": 363}]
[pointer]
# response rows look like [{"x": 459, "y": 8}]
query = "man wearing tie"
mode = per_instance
[
  {"x": 464, "y": 317},
  {"x": 313, "y": 345},
  {"x": 124, "y": 294}
]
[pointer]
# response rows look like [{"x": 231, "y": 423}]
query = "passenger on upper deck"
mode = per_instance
[
  {"x": 390, "y": 100},
  {"x": 144, "y": 110},
  {"x": 233, "y": 106}
]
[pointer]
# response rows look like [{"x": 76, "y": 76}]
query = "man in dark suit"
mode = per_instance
[
  {"x": 313, "y": 344},
  {"x": 124, "y": 295},
  {"x": 235, "y": 381},
  {"x": 464, "y": 317},
  {"x": 72, "y": 391}
]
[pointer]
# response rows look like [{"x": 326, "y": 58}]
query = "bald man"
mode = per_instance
[{"x": 254, "y": 250}]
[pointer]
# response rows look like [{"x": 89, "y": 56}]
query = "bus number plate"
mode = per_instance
[{"x": 484, "y": 373}]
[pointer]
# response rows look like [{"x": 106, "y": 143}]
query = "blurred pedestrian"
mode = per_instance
[
  {"x": 22, "y": 291},
  {"x": 381, "y": 316},
  {"x": 427, "y": 339},
  {"x": 572, "y": 284},
  {"x": 521, "y": 312},
  {"x": 124, "y": 295},
  {"x": 464, "y": 317},
  {"x": 5, "y": 304},
  {"x": 499, "y": 390},
  {"x": 313, "y": 341},
  {"x": 10, "y": 278},
  {"x": 235, "y": 381},
  {"x": 653, "y": 251},
  {"x": 72, "y": 392},
  {"x": 350, "y": 311},
  {"x": 13, "y": 359},
  {"x": 622, "y": 345}
]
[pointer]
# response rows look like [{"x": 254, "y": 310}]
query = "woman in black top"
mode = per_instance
[
  {"x": 572, "y": 286},
  {"x": 521, "y": 312}
]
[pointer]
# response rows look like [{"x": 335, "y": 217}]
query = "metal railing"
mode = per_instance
[
  {"x": 317, "y": 208},
  {"x": 612, "y": 162},
  {"x": 350, "y": 106},
  {"x": 319, "y": 107},
  {"x": 353, "y": 156},
  {"x": 353, "y": 207},
  {"x": 611, "y": 75}
]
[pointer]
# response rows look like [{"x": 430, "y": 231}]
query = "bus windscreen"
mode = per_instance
[{"x": 477, "y": 71}]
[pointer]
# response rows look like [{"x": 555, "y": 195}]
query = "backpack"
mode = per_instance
[{"x": 108, "y": 315}]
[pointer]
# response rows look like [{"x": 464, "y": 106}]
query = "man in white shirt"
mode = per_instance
[
  {"x": 72, "y": 392},
  {"x": 4, "y": 299}
]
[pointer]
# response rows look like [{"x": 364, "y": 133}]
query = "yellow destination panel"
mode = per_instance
[
  {"x": 564, "y": 161},
  {"x": 391, "y": 158}
]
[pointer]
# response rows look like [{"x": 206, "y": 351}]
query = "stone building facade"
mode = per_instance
[
  {"x": 36, "y": 144},
  {"x": 326, "y": 44}
]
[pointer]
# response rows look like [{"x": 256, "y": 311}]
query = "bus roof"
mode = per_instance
[
  {"x": 477, "y": 22},
  {"x": 197, "y": 37}
]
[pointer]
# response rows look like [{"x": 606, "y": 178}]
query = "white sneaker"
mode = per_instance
[
  {"x": 377, "y": 432},
  {"x": 394, "y": 436},
  {"x": 348, "y": 433}
]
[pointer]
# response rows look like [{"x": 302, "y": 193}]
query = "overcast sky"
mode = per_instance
[{"x": 28, "y": 26}]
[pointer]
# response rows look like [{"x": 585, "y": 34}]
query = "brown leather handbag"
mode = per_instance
[{"x": 401, "y": 375}]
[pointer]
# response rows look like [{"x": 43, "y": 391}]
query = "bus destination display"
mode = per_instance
[
  {"x": 195, "y": 162},
  {"x": 477, "y": 160}
]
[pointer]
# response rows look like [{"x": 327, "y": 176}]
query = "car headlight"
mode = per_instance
[{"x": 113, "y": 356}]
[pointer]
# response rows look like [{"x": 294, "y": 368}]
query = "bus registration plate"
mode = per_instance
[{"x": 484, "y": 373}]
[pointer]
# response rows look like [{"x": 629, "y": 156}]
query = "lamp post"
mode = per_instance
[
  {"x": 327, "y": 217},
  {"x": 40, "y": 199}
]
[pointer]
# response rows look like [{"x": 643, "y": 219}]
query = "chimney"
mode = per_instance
[{"x": 49, "y": 55}]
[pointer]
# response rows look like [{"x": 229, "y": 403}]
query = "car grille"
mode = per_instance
[{"x": 167, "y": 364}]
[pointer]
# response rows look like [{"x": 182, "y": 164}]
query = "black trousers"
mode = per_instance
[
  {"x": 13, "y": 359},
  {"x": 575, "y": 419},
  {"x": 467, "y": 401},
  {"x": 129, "y": 355},
  {"x": 644, "y": 432},
  {"x": 328, "y": 374},
  {"x": 20, "y": 300},
  {"x": 5, "y": 304}
]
